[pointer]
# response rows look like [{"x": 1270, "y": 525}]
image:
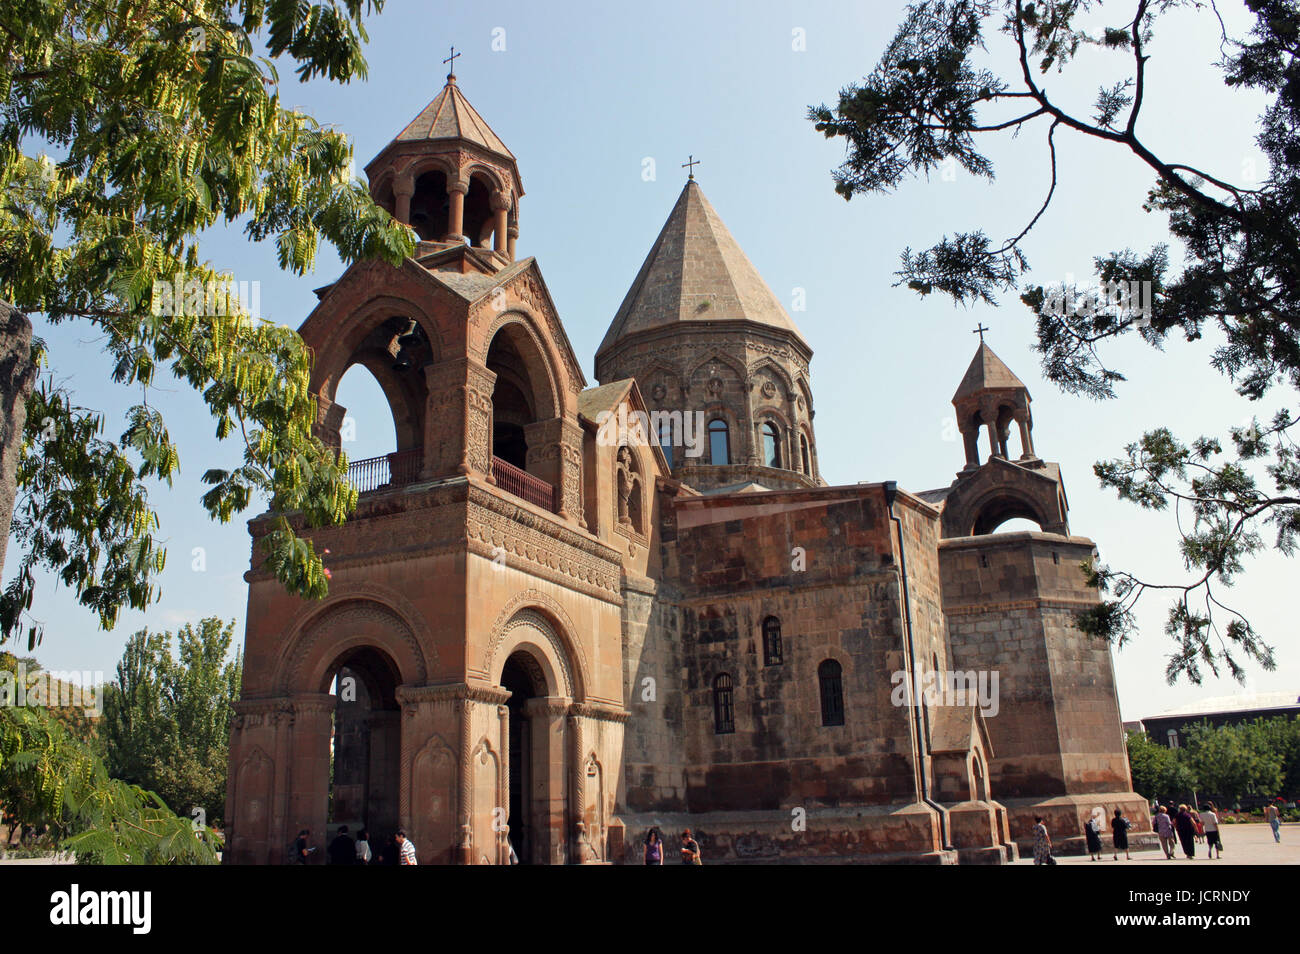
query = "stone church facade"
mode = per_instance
[{"x": 551, "y": 633}]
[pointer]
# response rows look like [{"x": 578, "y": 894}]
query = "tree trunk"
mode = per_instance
[{"x": 17, "y": 375}]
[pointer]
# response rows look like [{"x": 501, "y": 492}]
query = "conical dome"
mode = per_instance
[
  {"x": 987, "y": 372},
  {"x": 450, "y": 116},
  {"x": 695, "y": 272}
]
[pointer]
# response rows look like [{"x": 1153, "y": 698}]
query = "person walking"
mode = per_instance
[
  {"x": 1274, "y": 819},
  {"x": 690, "y": 849},
  {"x": 301, "y": 849},
  {"x": 1092, "y": 833},
  {"x": 1210, "y": 819},
  {"x": 1186, "y": 830},
  {"x": 1119, "y": 826},
  {"x": 1042, "y": 843},
  {"x": 1198, "y": 825},
  {"x": 653, "y": 851},
  {"x": 1164, "y": 826},
  {"x": 406, "y": 847},
  {"x": 343, "y": 850},
  {"x": 364, "y": 853}
]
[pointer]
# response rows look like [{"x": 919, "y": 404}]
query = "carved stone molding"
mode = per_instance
[
  {"x": 345, "y": 619},
  {"x": 412, "y": 696},
  {"x": 601, "y": 713},
  {"x": 536, "y": 609}
]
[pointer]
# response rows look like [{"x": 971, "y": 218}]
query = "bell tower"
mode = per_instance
[
  {"x": 990, "y": 398},
  {"x": 450, "y": 177},
  {"x": 461, "y": 678}
]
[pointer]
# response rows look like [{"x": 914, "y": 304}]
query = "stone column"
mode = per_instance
[
  {"x": 555, "y": 455},
  {"x": 403, "y": 189},
  {"x": 309, "y": 769},
  {"x": 503, "y": 783},
  {"x": 512, "y": 233},
  {"x": 465, "y": 804},
  {"x": 456, "y": 212},
  {"x": 329, "y": 420},
  {"x": 500, "y": 210},
  {"x": 970, "y": 437},
  {"x": 458, "y": 418},
  {"x": 1026, "y": 437}
]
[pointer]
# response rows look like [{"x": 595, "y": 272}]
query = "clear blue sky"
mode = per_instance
[{"x": 584, "y": 93}]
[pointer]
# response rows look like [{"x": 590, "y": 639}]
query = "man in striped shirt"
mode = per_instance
[{"x": 406, "y": 849}]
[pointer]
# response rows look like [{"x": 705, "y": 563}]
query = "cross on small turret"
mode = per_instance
[
  {"x": 980, "y": 331},
  {"x": 690, "y": 164},
  {"x": 451, "y": 62}
]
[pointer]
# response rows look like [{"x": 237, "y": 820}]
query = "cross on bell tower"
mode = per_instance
[
  {"x": 691, "y": 163},
  {"x": 451, "y": 65}
]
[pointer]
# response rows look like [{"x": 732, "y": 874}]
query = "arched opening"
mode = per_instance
[
  {"x": 805, "y": 457},
  {"x": 513, "y": 404},
  {"x": 365, "y": 744},
  {"x": 368, "y": 428},
  {"x": 771, "y": 445},
  {"x": 1005, "y": 514},
  {"x": 384, "y": 378},
  {"x": 525, "y": 681},
  {"x": 719, "y": 443},
  {"x": 430, "y": 206},
  {"x": 1005, "y": 417},
  {"x": 478, "y": 213},
  {"x": 383, "y": 196}
]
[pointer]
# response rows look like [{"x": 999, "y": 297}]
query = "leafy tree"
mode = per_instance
[
  {"x": 1282, "y": 735},
  {"x": 49, "y": 777},
  {"x": 167, "y": 719},
  {"x": 80, "y": 723},
  {"x": 1233, "y": 760},
  {"x": 928, "y": 103},
  {"x": 1156, "y": 769},
  {"x": 164, "y": 123}
]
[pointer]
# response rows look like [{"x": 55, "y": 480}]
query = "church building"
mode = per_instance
[{"x": 567, "y": 612}]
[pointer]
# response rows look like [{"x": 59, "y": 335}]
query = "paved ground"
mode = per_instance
[{"x": 1250, "y": 844}]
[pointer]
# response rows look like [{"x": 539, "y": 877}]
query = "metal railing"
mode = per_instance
[
  {"x": 387, "y": 470},
  {"x": 524, "y": 485}
]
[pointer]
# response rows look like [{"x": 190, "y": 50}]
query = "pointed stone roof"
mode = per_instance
[
  {"x": 987, "y": 373},
  {"x": 696, "y": 272},
  {"x": 450, "y": 116}
]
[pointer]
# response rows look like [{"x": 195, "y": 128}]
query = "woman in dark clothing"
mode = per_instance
[
  {"x": 1119, "y": 832},
  {"x": 1093, "y": 834},
  {"x": 1186, "y": 831}
]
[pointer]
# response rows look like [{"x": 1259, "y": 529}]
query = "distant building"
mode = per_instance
[{"x": 1170, "y": 728}]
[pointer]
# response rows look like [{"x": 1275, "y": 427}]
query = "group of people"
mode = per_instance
[
  {"x": 345, "y": 850},
  {"x": 1188, "y": 826},
  {"x": 654, "y": 851}
]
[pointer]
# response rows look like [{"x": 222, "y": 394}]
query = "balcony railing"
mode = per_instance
[
  {"x": 524, "y": 485},
  {"x": 387, "y": 470}
]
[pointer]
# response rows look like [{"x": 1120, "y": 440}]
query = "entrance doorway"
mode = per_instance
[
  {"x": 365, "y": 746},
  {"x": 521, "y": 676}
]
